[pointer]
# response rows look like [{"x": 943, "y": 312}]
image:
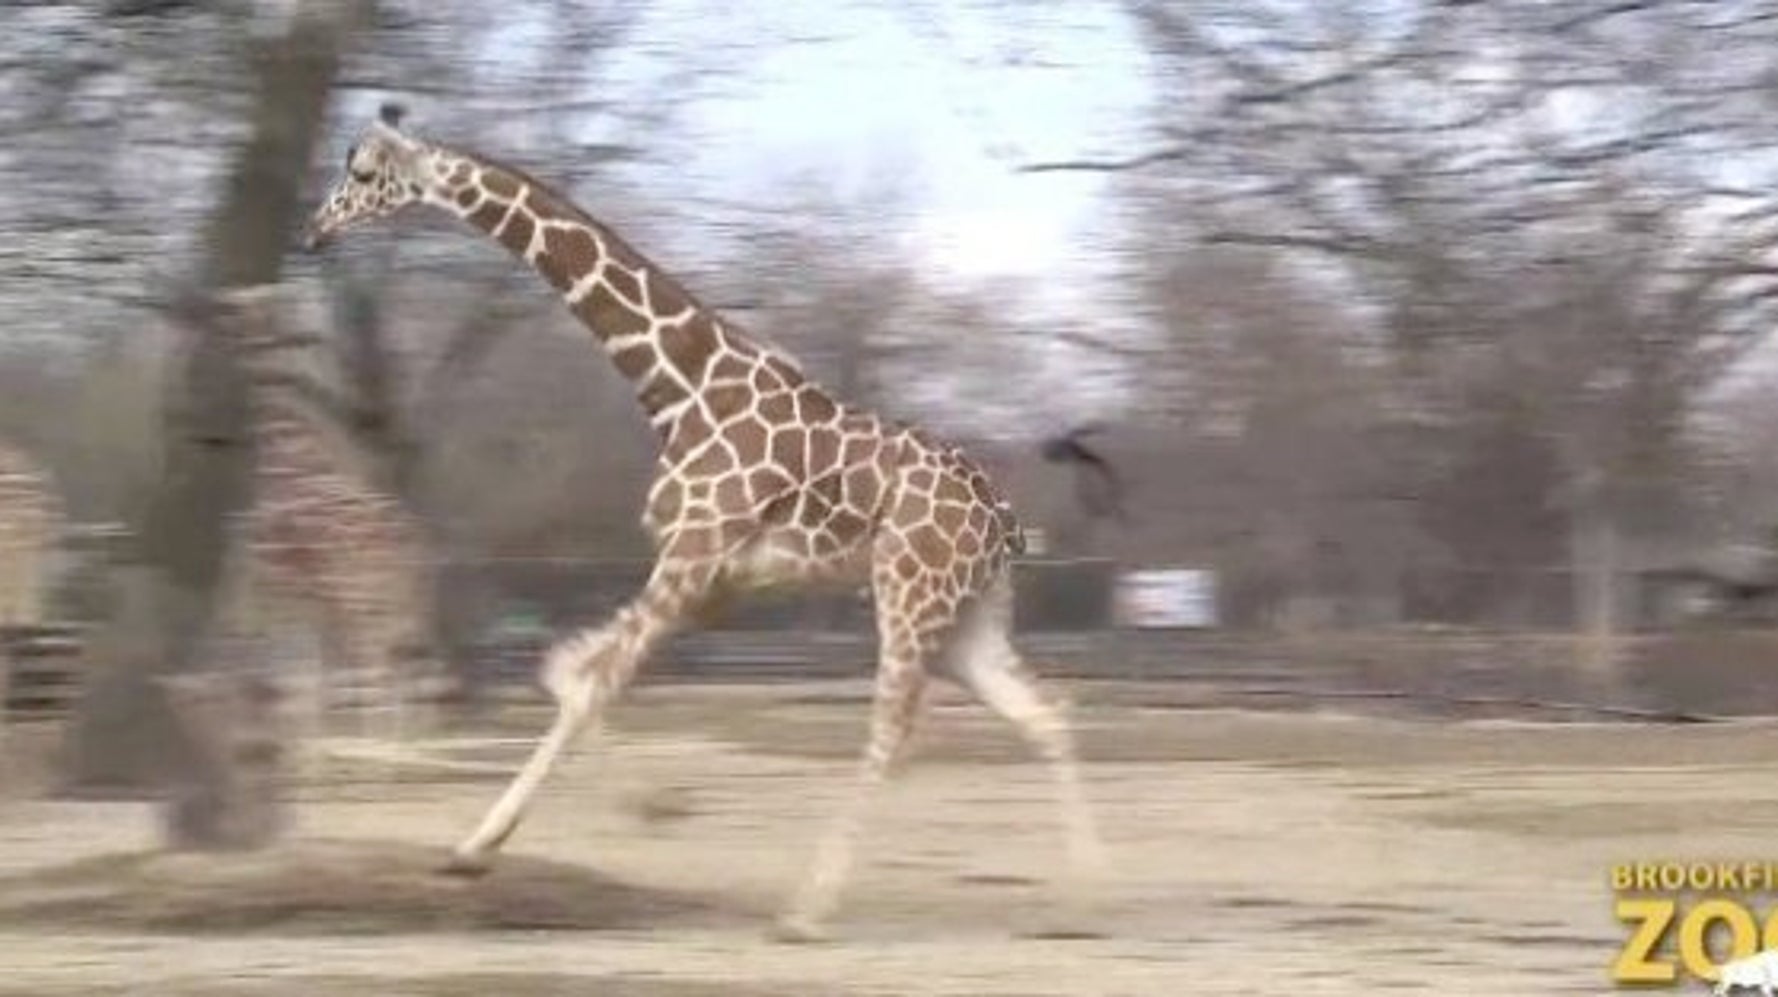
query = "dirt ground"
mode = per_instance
[{"x": 1283, "y": 853}]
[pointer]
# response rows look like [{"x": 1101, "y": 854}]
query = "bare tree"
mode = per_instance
[
  {"x": 126, "y": 735},
  {"x": 1525, "y": 207}
]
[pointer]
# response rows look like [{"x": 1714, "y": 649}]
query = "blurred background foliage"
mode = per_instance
[{"x": 1391, "y": 309}]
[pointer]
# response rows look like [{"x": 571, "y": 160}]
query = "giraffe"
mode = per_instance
[
  {"x": 762, "y": 478},
  {"x": 30, "y": 519},
  {"x": 321, "y": 545}
]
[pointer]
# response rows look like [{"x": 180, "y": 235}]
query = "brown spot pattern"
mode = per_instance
[
  {"x": 688, "y": 346},
  {"x": 608, "y": 317}
]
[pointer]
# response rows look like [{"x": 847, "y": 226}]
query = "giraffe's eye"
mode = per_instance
[{"x": 356, "y": 172}]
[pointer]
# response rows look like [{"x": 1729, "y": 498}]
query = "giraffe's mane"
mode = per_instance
[
  {"x": 568, "y": 208},
  {"x": 572, "y": 210}
]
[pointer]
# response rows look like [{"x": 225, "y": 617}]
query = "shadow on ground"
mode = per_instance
[
  {"x": 330, "y": 887},
  {"x": 467, "y": 985}
]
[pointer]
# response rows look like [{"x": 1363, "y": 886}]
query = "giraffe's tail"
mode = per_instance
[{"x": 1011, "y": 532}]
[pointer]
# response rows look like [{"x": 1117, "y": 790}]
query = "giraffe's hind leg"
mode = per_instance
[
  {"x": 910, "y": 624},
  {"x": 982, "y": 657},
  {"x": 901, "y": 683}
]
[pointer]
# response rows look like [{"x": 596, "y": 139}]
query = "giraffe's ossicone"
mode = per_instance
[{"x": 762, "y": 478}]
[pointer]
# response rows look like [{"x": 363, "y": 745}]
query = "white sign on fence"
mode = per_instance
[{"x": 1166, "y": 597}]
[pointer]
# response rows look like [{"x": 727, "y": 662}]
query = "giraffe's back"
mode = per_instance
[
  {"x": 948, "y": 498},
  {"x": 785, "y": 498}
]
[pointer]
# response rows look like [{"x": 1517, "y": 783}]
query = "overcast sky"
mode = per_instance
[{"x": 944, "y": 104}]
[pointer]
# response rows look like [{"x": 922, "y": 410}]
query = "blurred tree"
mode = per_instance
[
  {"x": 822, "y": 276},
  {"x": 125, "y": 735},
  {"x": 1278, "y": 411},
  {"x": 1536, "y": 218}
]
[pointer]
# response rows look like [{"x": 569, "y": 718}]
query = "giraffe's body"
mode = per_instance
[
  {"x": 323, "y": 547},
  {"x": 762, "y": 479}
]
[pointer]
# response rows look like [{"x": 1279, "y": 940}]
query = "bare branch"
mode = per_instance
[
  {"x": 1598, "y": 14},
  {"x": 1137, "y": 162}
]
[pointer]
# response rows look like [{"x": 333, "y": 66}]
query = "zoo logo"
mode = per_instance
[{"x": 1706, "y": 905}]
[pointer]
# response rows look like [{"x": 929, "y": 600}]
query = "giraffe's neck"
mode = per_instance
[{"x": 659, "y": 336}]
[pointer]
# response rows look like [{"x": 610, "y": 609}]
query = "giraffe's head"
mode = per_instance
[{"x": 383, "y": 174}]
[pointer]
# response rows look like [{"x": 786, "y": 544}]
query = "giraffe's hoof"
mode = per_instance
[
  {"x": 794, "y": 929},
  {"x": 462, "y": 866}
]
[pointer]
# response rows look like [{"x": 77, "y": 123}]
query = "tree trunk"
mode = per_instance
[
  {"x": 1595, "y": 578},
  {"x": 229, "y": 795},
  {"x": 372, "y": 404},
  {"x": 127, "y": 738}
]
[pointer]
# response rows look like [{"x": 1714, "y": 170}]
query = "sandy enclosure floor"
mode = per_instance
[{"x": 1252, "y": 852}]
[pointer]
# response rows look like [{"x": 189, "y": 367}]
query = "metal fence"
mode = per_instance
[
  {"x": 496, "y": 617},
  {"x": 500, "y": 615}
]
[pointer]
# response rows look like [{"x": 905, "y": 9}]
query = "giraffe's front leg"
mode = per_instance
[
  {"x": 575, "y": 672},
  {"x": 584, "y": 673}
]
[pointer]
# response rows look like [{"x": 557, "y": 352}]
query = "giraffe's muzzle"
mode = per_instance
[{"x": 315, "y": 236}]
